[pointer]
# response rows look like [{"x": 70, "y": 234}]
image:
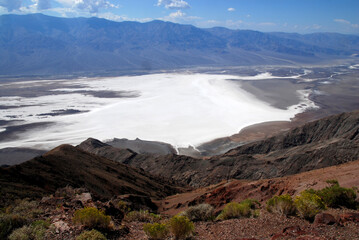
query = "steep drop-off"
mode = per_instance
[{"x": 326, "y": 142}]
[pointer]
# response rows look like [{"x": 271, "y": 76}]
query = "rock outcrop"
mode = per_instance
[{"x": 330, "y": 141}]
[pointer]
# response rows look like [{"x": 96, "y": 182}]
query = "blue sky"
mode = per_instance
[{"x": 302, "y": 16}]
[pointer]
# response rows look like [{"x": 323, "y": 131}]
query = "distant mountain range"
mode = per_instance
[{"x": 42, "y": 45}]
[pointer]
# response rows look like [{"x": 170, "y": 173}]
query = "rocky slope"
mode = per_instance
[
  {"x": 326, "y": 142},
  {"x": 67, "y": 165},
  {"x": 237, "y": 190}
]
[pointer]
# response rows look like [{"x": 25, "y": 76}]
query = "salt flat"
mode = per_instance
[{"x": 178, "y": 108}]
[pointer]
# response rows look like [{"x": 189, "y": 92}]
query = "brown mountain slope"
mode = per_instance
[
  {"x": 326, "y": 142},
  {"x": 237, "y": 190},
  {"x": 67, "y": 165}
]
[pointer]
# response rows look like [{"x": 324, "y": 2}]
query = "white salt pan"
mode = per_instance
[{"x": 181, "y": 109}]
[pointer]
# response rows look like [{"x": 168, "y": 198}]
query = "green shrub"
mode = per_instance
[
  {"x": 335, "y": 196},
  {"x": 308, "y": 205},
  {"x": 10, "y": 222},
  {"x": 181, "y": 227},
  {"x": 251, "y": 203},
  {"x": 142, "y": 216},
  {"x": 156, "y": 231},
  {"x": 282, "y": 204},
  {"x": 91, "y": 235},
  {"x": 201, "y": 212},
  {"x": 246, "y": 208},
  {"x": 36, "y": 231},
  {"x": 91, "y": 217}
]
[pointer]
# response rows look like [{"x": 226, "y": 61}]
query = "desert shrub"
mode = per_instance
[
  {"x": 22, "y": 233},
  {"x": 142, "y": 216},
  {"x": 156, "y": 230},
  {"x": 181, "y": 227},
  {"x": 282, "y": 204},
  {"x": 308, "y": 205},
  {"x": 124, "y": 206},
  {"x": 251, "y": 203},
  {"x": 246, "y": 208},
  {"x": 336, "y": 196},
  {"x": 10, "y": 222},
  {"x": 201, "y": 212},
  {"x": 35, "y": 231},
  {"x": 91, "y": 217},
  {"x": 25, "y": 208},
  {"x": 91, "y": 235}
]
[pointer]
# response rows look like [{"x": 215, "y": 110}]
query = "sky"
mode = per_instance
[{"x": 301, "y": 16}]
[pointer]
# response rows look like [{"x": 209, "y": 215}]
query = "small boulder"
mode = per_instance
[
  {"x": 324, "y": 218},
  {"x": 61, "y": 226},
  {"x": 84, "y": 198},
  {"x": 349, "y": 217}
]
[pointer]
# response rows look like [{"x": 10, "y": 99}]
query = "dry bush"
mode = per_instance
[
  {"x": 181, "y": 227},
  {"x": 91, "y": 217},
  {"x": 201, "y": 212},
  {"x": 308, "y": 205},
  {"x": 91, "y": 235},
  {"x": 156, "y": 231},
  {"x": 282, "y": 204},
  {"x": 142, "y": 216}
]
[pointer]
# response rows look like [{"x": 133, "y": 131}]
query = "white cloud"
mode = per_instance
[
  {"x": 177, "y": 14},
  {"x": 118, "y": 18},
  {"x": 266, "y": 24},
  {"x": 173, "y": 4},
  {"x": 231, "y": 9},
  {"x": 346, "y": 22},
  {"x": 180, "y": 17},
  {"x": 341, "y": 21},
  {"x": 11, "y": 5},
  {"x": 91, "y": 6},
  {"x": 42, "y": 4}
]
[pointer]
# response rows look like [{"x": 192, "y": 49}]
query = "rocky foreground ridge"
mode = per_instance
[
  {"x": 330, "y": 141},
  {"x": 117, "y": 181},
  {"x": 70, "y": 166}
]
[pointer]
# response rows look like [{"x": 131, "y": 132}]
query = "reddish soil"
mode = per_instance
[{"x": 236, "y": 190}]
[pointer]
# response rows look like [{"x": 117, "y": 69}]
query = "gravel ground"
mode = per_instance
[{"x": 266, "y": 226}]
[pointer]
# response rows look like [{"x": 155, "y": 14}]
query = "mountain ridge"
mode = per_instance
[
  {"x": 37, "y": 44},
  {"x": 297, "y": 150},
  {"x": 66, "y": 165}
]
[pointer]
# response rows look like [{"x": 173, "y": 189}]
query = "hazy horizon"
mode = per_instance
[{"x": 302, "y": 16}]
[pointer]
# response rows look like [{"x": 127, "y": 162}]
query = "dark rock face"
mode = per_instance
[
  {"x": 330, "y": 141},
  {"x": 70, "y": 166}
]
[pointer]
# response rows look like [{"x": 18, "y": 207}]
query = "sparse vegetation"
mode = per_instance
[
  {"x": 181, "y": 227},
  {"x": 142, "y": 216},
  {"x": 91, "y": 217},
  {"x": 336, "y": 196},
  {"x": 246, "y": 208},
  {"x": 35, "y": 231},
  {"x": 10, "y": 222},
  {"x": 201, "y": 212},
  {"x": 308, "y": 205},
  {"x": 124, "y": 206},
  {"x": 26, "y": 208},
  {"x": 18, "y": 215},
  {"x": 91, "y": 235},
  {"x": 282, "y": 204},
  {"x": 156, "y": 231}
]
